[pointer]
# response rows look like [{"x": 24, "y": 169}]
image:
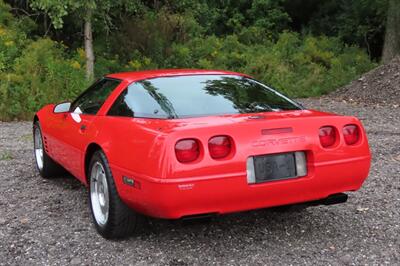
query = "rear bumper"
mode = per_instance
[{"x": 176, "y": 198}]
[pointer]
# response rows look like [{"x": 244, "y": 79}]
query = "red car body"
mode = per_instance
[{"x": 142, "y": 151}]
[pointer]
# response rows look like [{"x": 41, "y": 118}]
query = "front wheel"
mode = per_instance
[
  {"x": 112, "y": 218},
  {"x": 45, "y": 165}
]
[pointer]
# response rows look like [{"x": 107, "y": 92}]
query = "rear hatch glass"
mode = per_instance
[{"x": 198, "y": 95}]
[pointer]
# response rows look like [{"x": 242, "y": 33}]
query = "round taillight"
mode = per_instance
[
  {"x": 187, "y": 150},
  {"x": 351, "y": 134},
  {"x": 219, "y": 147},
  {"x": 327, "y": 136}
]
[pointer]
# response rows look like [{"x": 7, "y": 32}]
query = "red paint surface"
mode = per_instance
[{"x": 144, "y": 150}]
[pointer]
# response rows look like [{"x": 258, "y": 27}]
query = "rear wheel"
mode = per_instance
[
  {"x": 45, "y": 165},
  {"x": 112, "y": 218}
]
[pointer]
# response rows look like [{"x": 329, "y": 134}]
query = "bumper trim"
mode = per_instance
[
  {"x": 349, "y": 160},
  {"x": 179, "y": 180}
]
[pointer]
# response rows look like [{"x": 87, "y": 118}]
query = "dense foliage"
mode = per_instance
[{"x": 303, "y": 48}]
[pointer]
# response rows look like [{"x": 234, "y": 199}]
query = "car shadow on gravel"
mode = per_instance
[
  {"x": 251, "y": 223},
  {"x": 239, "y": 232},
  {"x": 65, "y": 181}
]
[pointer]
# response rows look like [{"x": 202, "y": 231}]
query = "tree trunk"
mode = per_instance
[
  {"x": 89, "y": 46},
  {"x": 45, "y": 27},
  {"x": 391, "y": 47}
]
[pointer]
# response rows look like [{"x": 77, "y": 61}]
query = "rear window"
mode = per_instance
[{"x": 198, "y": 95}]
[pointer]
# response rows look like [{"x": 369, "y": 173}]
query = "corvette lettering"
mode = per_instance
[{"x": 278, "y": 142}]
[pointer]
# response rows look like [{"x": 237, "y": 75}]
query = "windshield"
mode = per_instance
[{"x": 198, "y": 95}]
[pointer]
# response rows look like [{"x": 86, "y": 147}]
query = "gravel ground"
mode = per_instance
[
  {"x": 379, "y": 86},
  {"x": 47, "y": 221}
]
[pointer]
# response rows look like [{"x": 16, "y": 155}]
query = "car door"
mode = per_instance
[{"x": 77, "y": 128}]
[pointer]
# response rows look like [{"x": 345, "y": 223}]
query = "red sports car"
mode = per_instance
[{"x": 186, "y": 143}]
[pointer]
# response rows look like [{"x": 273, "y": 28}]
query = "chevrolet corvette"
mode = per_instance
[{"x": 190, "y": 143}]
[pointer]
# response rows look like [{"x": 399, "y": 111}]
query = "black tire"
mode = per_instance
[
  {"x": 122, "y": 221},
  {"x": 49, "y": 168}
]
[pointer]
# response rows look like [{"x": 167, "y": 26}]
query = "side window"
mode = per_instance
[
  {"x": 123, "y": 105},
  {"x": 93, "y": 98},
  {"x": 140, "y": 101}
]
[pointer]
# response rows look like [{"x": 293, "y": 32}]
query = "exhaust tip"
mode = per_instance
[
  {"x": 330, "y": 200},
  {"x": 335, "y": 199}
]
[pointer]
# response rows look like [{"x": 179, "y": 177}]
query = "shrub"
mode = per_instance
[
  {"x": 40, "y": 76},
  {"x": 12, "y": 37},
  {"x": 298, "y": 66}
]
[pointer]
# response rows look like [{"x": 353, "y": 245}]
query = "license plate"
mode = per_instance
[{"x": 272, "y": 167}]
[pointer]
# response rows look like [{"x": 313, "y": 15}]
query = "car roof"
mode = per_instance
[{"x": 140, "y": 75}]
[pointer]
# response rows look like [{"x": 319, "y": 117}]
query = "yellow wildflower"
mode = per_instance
[
  {"x": 76, "y": 65},
  {"x": 9, "y": 43}
]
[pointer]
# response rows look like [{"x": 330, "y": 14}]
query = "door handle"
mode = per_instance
[{"x": 83, "y": 127}]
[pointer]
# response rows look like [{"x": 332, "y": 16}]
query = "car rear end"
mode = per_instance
[
  {"x": 226, "y": 164},
  {"x": 218, "y": 143}
]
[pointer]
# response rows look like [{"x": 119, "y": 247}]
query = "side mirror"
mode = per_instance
[{"x": 62, "y": 108}]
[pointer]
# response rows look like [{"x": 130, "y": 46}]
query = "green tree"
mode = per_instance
[
  {"x": 356, "y": 22},
  {"x": 391, "y": 46},
  {"x": 58, "y": 9}
]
